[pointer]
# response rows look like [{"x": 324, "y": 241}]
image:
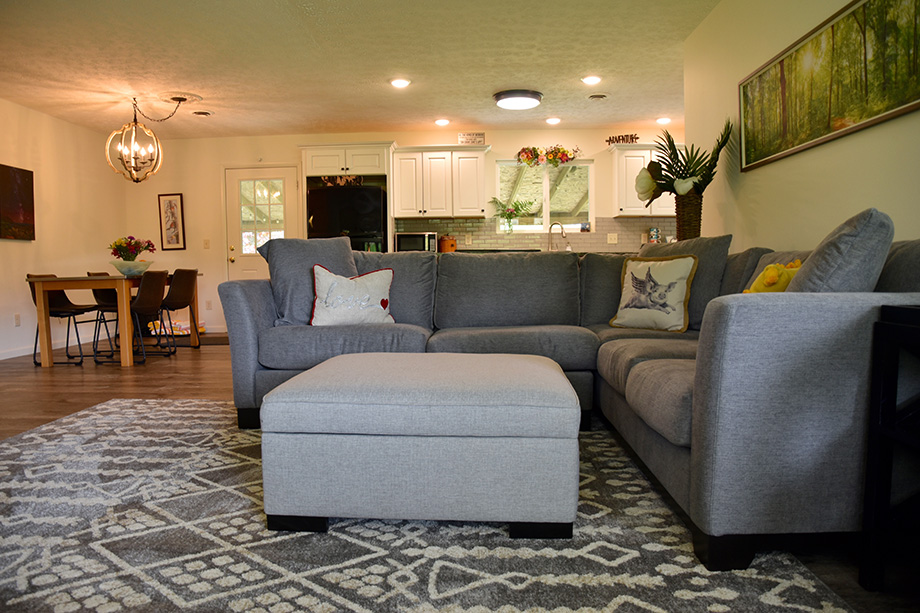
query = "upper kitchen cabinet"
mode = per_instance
[
  {"x": 351, "y": 159},
  {"x": 628, "y": 160},
  {"x": 439, "y": 181}
]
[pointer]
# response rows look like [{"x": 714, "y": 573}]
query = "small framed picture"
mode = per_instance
[{"x": 172, "y": 222}]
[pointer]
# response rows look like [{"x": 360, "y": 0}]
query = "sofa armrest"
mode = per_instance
[
  {"x": 780, "y": 411},
  {"x": 248, "y": 308}
]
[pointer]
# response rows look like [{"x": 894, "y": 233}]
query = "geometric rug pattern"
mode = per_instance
[{"x": 155, "y": 505}]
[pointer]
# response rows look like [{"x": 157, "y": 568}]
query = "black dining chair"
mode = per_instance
[
  {"x": 106, "y": 304},
  {"x": 60, "y": 306},
  {"x": 180, "y": 295},
  {"x": 145, "y": 306}
]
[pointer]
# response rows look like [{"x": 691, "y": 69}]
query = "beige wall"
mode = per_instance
[
  {"x": 79, "y": 210},
  {"x": 794, "y": 202}
]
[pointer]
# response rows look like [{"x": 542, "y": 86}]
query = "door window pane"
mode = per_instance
[{"x": 261, "y": 212}]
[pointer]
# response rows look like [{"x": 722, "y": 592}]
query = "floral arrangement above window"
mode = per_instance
[
  {"x": 128, "y": 248},
  {"x": 555, "y": 155}
]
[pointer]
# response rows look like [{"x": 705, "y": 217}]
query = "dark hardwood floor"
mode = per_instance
[{"x": 34, "y": 396}]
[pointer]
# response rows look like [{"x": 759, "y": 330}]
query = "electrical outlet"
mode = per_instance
[
  {"x": 612, "y": 238},
  {"x": 17, "y": 321},
  {"x": 207, "y": 305},
  {"x": 207, "y": 243},
  {"x": 468, "y": 239}
]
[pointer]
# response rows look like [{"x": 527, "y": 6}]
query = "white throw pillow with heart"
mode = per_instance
[{"x": 364, "y": 299}]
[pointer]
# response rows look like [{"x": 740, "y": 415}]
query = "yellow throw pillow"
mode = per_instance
[
  {"x": 655, "y": 293},
  {"x": 774, "y": 278}
]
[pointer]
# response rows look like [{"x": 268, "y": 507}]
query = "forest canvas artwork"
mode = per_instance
[
  {"x": 859, "y": 68},
  {"x": 17, "y": 204}
]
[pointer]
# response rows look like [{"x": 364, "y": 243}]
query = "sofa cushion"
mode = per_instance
[
  {"x": 506, "y": 289},
  {"x": 739, "y": 269},
  {"x": 364, "y": 299},
  {"x": 850, "y": 258},
  {"x": 605, "y": 333},
  {"x": 660, "y": 392},
  {"x": 302, "y": 347},
  {"x": 900, "y": 271},
  {"x": 615, "y": 360},
  {"x": 655, "y": 293},
  {"x": 600, "y": 275},
  {"x": 712, "y": 253},
  {"x": 290, "y": 266},
  {"x": 572, "y": 347},
  {"x": 414, "y": 276}
]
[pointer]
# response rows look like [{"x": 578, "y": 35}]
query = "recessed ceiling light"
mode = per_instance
[
  {"x": 597, "y": 97},
  {"x": 553, "y": 121},
  {"x": 400, "y": 83},
  {"x": 442, "y": 122},
  {"x": 591, "y": 80},
  {"x": 663, "y": 120},
  {"x": 518, "y": 99}
]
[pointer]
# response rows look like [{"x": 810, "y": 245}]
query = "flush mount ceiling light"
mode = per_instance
[
  {"x": 400, "y": 83},
  {"x": 136, "y": 148},
  {"x": 518, "y": 99},
  {"x": 591, "y": 80}
]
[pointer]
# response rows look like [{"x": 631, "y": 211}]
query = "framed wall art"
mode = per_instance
[
  {"x": 17, "y": 204},
  {"x": 172, "y": 222},
  {"x": 858, "y": 68}
]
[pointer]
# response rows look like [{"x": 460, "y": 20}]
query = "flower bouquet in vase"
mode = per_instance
[
  {"x": 509, "y": 212},
  {"x": 126, "y": 250},
  {"x": 684, "y": 173}
]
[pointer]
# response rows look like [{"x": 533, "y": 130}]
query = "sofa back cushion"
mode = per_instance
[
  {"x": 900, "y": 271},
  {"x": 290, "y": 266},
  {"x": 415, "y": 275},
  {"x": 738, "y": 269},
  {"x": 850, "y": 258},
  {"x": 712, "y": 252},
  {"x": 600, "y": 275},
  {"x": 506, "y": 289}
]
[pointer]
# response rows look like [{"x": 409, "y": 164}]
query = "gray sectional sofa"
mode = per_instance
[{"x": 753, "y": 420}]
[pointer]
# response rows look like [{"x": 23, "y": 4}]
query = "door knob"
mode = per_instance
[
  {"x": 232, "y": 248},
  {"x": 232, "y": 259}
]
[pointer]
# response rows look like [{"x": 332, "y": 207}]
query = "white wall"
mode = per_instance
[
  {"x": 79, "y": 210},
  {"x": 791, "y": 203}
]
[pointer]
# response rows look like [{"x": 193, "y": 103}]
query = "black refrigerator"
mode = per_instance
[{"x": 358, "y": 212}]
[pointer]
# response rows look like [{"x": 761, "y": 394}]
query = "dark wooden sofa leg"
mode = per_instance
[
  {"x": 540, "y": 530},
  {"x": 248, "y": 419},
  {"x": 732, "y": 552},
  {"x": 297, "y": 523}
]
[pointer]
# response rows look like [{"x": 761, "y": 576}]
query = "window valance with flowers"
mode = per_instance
[{"x": 554, "y": 156}]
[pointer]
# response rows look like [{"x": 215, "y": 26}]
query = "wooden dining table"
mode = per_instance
[{"x": 122, "y": 286}]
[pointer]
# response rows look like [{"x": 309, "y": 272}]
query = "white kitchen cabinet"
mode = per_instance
[
  {"x": 628, "y": 160},
  {"x": 439, "y": 181},
  {"x": 351, "y": 159}
]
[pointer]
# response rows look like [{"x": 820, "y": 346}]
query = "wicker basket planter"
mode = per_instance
[{"x": 689, "y": 212}]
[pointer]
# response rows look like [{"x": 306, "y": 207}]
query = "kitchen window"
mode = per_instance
[{"x": 568, "y": 189}]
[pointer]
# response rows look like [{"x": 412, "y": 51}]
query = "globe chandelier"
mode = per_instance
[{"x": 134, "y": 151}]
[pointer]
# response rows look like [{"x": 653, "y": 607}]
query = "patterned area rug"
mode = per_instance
[{"x": 155, "y": 505}]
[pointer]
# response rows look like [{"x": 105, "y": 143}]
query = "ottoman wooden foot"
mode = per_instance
[
  {"x": 540, "y": 530},
  {"x": 296, "y": 523}
]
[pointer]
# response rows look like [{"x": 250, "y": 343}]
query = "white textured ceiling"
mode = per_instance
[{"x": 312, "y": 66}]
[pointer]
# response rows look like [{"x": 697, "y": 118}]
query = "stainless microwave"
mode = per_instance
[{"x": 417, "y": 241}]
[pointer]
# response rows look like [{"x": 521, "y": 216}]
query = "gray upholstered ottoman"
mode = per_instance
[{"x": 444, "y": 436}]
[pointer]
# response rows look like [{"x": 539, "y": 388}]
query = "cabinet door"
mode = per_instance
[
  {"x": 407, "y": 185},
  {"x": 323, "y": 161},
  {"x": 437, "y": 191},
  {"x": 629, "y": 163},
  {"x": 366, "y": 161},
  {"x": 468, "y": 184}
]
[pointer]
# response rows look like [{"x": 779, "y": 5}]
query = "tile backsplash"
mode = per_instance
[{"x": 484, "y": 233}]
